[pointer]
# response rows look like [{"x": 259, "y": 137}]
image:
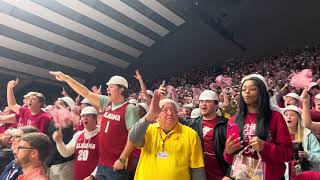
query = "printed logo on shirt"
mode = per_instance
[
  {"x": 85, "y": 146},
  {"x": 30, "y": 122},
  {"x": 248, "y": 131},
  {"x": 205, "y": 130},
  {"x": 112, "y": 116}
]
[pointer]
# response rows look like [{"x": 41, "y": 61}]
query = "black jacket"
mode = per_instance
[
  {"x": 55, "y": 157},
  {"x": 219, "y": 139}
]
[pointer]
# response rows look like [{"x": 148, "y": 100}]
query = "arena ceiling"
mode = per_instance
[{"x": 94, "y": 39}]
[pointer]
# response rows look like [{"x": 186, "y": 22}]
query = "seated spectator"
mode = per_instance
[
  {"x": 12, "y": 170},
  {"x": 6, "y": 154},
  {"x": 30, "y": 155}
]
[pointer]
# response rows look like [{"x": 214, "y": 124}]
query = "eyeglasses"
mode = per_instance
[
  {"x": 25, "y": 148},
  {"x": 16, "y": 137}
]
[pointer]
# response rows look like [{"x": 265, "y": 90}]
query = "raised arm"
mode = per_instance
[
  {"x": 306, "y": 116},
  {"x": 225, "y": 98},
  {"x": 79, "y": 88},
  {"x": 64, "y": 93},
  {"x": 138, "y": 131},
  {"x": 12, "y": 103},
  {"x": 10, "y": 118},
  {"x": 63, "y": 149},
  {"x": 143, "y": 87}
]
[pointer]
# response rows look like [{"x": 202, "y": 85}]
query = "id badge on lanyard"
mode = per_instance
[{"x": 162, "y": 155}]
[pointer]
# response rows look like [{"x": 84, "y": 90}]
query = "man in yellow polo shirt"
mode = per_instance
[{"x": 169, "y": 150}]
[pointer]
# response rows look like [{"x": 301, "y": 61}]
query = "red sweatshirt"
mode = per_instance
[{"x": 277, "y": 149}]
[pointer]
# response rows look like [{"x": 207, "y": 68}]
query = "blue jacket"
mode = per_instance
[
  {"x": 312, "y": 147},
  {"x": 11, "y": 172}
]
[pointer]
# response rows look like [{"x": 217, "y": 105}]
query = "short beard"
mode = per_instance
[{"x": 22, "y": 161}]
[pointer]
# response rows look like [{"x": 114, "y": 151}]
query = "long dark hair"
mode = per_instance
[{"x": 264, "y": 111}]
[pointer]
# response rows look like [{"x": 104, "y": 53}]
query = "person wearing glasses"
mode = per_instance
[
  {"x": 169, "y": 150},
  {"x": 12, "y": 171},
  {"x": 30, "y": 155}
]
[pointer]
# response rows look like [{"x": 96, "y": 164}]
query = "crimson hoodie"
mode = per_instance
[{"x": 277, "y": 148}]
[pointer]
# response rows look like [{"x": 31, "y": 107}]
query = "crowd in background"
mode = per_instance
[
  {"x": 276, "y": 70},
  {"x": 78, "y": 127}
]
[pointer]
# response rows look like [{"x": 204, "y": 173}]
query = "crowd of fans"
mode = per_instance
[
  {"x": 276, "y": 70},
  {"x": 256, "y": 125}
]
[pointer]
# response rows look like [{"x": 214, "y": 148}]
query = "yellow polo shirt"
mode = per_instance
[{"x": 181, "y": 151}]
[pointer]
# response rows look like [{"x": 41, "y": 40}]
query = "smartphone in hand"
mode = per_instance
[
  {"x": 163, "y": 87},
  {"x": 233, "y": 129},
  {"x": 163, "y": 83}
]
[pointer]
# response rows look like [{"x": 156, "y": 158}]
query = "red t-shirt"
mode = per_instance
[
  {"x": 40, "y": 120},
  {"x": 113, "y": 135},
  {"x": 213, "y": 170},
  {"x": 277, "y": 148},
  {"x": 87, "y": 156}
]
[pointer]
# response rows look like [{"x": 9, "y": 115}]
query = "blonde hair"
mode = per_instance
[
  {"x": 298, "y": 137},
  {"x": 300, "y": 129}
]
